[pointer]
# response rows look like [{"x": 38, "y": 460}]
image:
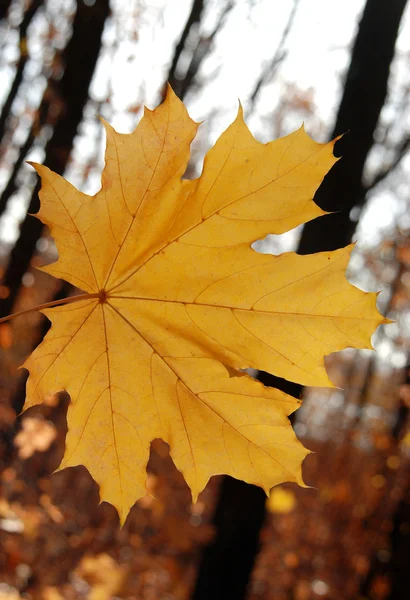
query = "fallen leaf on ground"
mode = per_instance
[{"x": 36, "y": 435}]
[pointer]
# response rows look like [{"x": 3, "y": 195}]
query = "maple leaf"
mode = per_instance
[{"x": 176, "y": 303}]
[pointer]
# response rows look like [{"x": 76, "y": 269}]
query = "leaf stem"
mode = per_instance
[{"x": 77, "y": 298}]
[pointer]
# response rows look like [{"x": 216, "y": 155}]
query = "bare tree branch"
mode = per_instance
[
  {"x": 194, "y": 17},
  {"x": 279, "y": 55},
  {"x": 36, "y": 128},
  {"x": 401, "y": 151},
  {"x": 27, "y": 19},
  {"x": 12, "y": 184},
  {"x": 201, "y": 51}
]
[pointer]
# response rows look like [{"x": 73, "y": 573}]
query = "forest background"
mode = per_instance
[{"x": 338, "y": 67}]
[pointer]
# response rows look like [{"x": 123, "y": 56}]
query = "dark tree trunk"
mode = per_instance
[
  {"x": 4, "y": 8},
  {"x": 227, "y": 563},
  {"x": 363, "y": 98},
  {"x": 400, "y": 551},
  {"x": 80, "y": 57}
]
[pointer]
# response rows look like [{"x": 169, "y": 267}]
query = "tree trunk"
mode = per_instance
[
  {"x": 4, "y": 8},
  {"x": 363, "y": 98}
]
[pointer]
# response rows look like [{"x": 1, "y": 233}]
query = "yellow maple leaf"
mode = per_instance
[{"x": 176, "y": 302}]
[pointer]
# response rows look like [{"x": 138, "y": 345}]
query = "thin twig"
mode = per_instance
[
  {"x": 27, "y": 19},
  {"x": 194, "y": 17},
  {"x": 279, "y": 55},
  {"x": 71, "y": 299},
  {"x": 201, "y": 51},
  {"x": 401, "y": 152}
]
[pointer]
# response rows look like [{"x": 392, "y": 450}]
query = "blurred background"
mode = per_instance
[{"x": 339, "y": 67}]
